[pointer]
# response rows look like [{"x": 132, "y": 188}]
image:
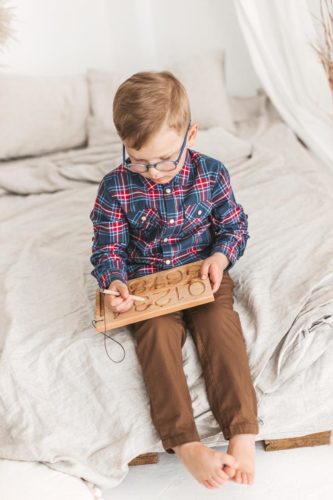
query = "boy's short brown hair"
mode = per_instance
[{"x": 144, "y": 101}]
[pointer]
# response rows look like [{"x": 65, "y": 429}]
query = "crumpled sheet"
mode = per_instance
[{"x": 65, "y": 403}]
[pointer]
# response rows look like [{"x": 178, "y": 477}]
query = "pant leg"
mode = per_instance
[
  {"x": 217, "y": 334},
  {"x": 159, "y": 344}
]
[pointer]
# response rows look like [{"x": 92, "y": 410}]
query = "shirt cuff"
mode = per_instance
[
  {"x": 226, "y": 251},
  {"x": 105, "y": 280}
]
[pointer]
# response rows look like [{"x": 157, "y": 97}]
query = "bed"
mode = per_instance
[{"x": 64, "y": 403}]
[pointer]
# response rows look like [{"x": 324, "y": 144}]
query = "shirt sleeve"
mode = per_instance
[
  {"x": 229, "y": 221},
  {"x": 110, "y": 240}
]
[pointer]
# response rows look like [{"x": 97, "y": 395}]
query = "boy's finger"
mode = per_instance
[
  {"x": 120, "y": 287},
  {"x": 123, "y": 290},
  {"x": 125, "y": 305},
  {"x": 114, "y": 301},
  {"x": 215, "y": 278},
  {"x": 204, "y": 270},
  {"x": 118, "y": 300},
  {"x": 116, "y": 308}
]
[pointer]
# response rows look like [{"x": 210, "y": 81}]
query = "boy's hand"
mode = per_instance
[
  {"x": 214, "y": 266},
  {"x": 122, "y": 303}
]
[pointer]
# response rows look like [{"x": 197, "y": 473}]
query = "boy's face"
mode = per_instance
[{"x": 164, "y": 145}]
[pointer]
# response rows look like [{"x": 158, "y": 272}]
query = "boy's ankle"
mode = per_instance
[{"x": 182, "y": 446}]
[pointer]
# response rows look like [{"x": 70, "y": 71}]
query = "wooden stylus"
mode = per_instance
[{"x": 117, "y": 294}]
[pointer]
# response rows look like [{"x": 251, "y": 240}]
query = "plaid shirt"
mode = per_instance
[{"x": 141, "y": 227}]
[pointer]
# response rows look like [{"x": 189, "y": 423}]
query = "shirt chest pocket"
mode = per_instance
[
  {"x": 196, "y": 214},
  {"x": 145, "y": 221}
]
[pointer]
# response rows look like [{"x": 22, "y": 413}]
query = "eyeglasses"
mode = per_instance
[{"x": 163, "y": 165}]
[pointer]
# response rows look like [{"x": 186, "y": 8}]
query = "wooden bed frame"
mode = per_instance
[{"x": 316, "y": 439}]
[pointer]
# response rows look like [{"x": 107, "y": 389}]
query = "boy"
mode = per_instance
[{"x": 167, "y": 205}]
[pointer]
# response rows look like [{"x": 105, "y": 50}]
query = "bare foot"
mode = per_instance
[
  {"x": 242, "y": 447},
  {"x": 205, "y": 464}
]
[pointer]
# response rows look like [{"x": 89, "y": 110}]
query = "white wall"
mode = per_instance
[{"x": 68, "y": 36}]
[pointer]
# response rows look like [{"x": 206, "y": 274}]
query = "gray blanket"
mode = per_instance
[{"x": 63, "y": 401}]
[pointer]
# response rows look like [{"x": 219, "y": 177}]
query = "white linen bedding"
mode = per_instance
[{"x": 65, "y": 403}]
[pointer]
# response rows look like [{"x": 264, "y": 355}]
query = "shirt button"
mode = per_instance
[
  {"x": 200, "y": 212},
  {"x": 143, "y": 217},
  {"x": 168, "y": 190},
  {"x": 165, "y": 239},
  {"x": 172, "y": 221},
  {"x": 167, "y": 261}
]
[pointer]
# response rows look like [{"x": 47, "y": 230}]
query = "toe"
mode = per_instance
[
  {"x": 213, "y": 482},
  {"x": 229, "y": 471},
  {"x": 244, "y": 477},
  {"x": 238, "y": 476},
  {"x": 219, "y": 480},
  {"x": 207, "y": 485},
  {"x": 222, "y": 474}
]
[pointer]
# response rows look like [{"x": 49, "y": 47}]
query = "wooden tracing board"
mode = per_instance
[{"x": 165, "y": 291}]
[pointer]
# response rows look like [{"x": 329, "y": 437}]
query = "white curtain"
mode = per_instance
[{"x": 279, "y": 34}]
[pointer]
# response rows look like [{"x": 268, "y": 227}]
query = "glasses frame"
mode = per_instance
[{"x": 151, "y": 165}]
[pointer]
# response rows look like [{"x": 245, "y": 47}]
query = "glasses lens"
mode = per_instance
[
  {"x": 136, "y": 167},
  {"x": 165, "y": 166}
]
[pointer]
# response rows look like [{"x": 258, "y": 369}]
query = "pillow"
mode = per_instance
[
  {"x": 204, "y": 79},
  {"x": 202, "y": 76},
  {"x": 102, "y": 89},
  {"x": 248, "y": 107},
  {"x": 222, "y": 145},
  {"x": 42, "y": 114}
]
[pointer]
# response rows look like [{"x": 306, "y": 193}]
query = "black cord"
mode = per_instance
[{"x": 105, "y": 335}]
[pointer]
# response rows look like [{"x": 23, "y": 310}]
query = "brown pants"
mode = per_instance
[{"x": 217, "y": 333}]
